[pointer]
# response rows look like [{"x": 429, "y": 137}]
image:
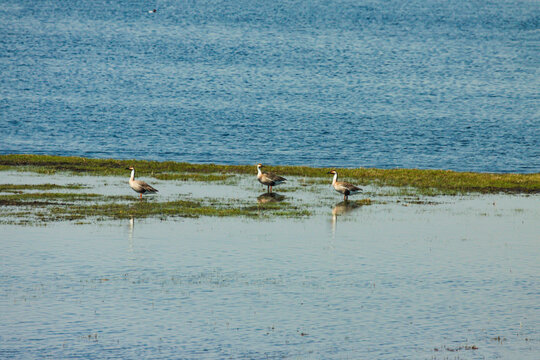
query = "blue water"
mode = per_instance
[
  {"x": 381, "y": 282},
  {"x": 422, "y": 83}
]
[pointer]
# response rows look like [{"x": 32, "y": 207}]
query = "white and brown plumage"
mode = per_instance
[
  {"x": 139, "y": 186},
  {"x": 269, "y": 179},
  {"x": 343, "y": 187}
]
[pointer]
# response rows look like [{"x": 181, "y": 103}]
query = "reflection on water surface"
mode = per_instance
[
  {"x": 389, "y": 281},
  {"x": 270, "y": 198}
]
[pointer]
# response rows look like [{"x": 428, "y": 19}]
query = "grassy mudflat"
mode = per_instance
[
  {"x": 49, "y": 207},
  {"x": 44, "y": 207},
  {"x": 436, "y": 182},
  {"x": 41, "y": 189}
]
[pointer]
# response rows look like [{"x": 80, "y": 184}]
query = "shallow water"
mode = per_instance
[
  {"x": 416, "y": 84},
  {"x": 383, "y": 281}
]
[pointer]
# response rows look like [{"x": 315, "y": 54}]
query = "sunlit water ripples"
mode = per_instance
[{"x": 386, "y": 84}]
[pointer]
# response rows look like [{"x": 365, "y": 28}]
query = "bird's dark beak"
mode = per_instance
[
  {"x": 329, "y": 172},
  {"x": 128, "y": 169}
]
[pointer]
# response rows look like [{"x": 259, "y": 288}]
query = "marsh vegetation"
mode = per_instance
[
  {"x": 47, "y": 201},
  {"x": 426, "y": 181}
]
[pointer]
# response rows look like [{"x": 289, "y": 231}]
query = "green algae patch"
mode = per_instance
[
  {"x": 164, "y": 210},
  {"x": 425, "y": 182},
  {"x": 46, "y": 198},
  {"x": 43, "y": 208},
  {"x": 193, "y": 177},
  {"x": 168, "y": 170},
  {"x": 19, "y": 188},
  {"x": 30, "y": 198},
  {"x": 363, "y": 202}
]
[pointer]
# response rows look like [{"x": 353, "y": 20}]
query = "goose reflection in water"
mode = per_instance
[
  {"x": 342, "y": 208},
  {"x": 265, "y": 198},
  {"x": 130, "y": 234}
]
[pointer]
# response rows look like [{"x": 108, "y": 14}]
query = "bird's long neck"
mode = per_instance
[
  {"x": 259, "y": 171},
  {"x": 335, "y": 179},
  {"x": 132, "y": 175}
]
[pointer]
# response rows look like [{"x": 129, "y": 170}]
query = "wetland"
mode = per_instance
[
  {"x": 193, "y": 190},
  {"x": 212, "y": 266}
]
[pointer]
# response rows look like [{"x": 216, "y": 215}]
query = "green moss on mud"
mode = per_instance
[
  {"x": 193, "y": 177},
  {"x": 18, "y": 188},
  {"x": 50, "y": 207},
  {"x": 427, "y": 182}
]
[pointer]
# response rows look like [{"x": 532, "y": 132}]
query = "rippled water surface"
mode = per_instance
[
  {"x": 425, "y": 84},
  {"x": 455, "y": 278}
]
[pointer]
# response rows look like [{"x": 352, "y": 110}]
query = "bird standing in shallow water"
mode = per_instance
[
  {"x": 343, "y": 187},
  {"x": 268, "y": 179},
  {"x": 139, "y": 186}
]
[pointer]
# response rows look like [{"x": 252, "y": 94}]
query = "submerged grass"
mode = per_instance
[
  {"x": 31, "y": 198},
  {"x": 426, "y": 182},
  {"x": 163, "y": 210},
  {"x": 49, "y": 207},
  {"x": 17, "y": 188},
  {"x": 193, "y": 177}
]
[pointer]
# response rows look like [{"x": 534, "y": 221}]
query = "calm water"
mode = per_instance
[
  {"x": 427, "y": 84},
  {"x": 380, "y": 282},
  {"x": 385, "y": 281}
]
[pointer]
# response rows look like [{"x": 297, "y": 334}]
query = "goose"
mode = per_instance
[
  {"x": 268, "y": 179},
  {"x": 343, "y": 187},
  {"x": 139, "y": 186}
]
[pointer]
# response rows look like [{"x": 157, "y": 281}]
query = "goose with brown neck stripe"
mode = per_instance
[
  {"x": 139, "y": 186},
  {"x": 269, "y": 179},
  {"x": 343, "y": 187}
]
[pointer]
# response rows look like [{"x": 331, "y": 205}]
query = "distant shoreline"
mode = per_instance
[{"x": 427, "y": 182}]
